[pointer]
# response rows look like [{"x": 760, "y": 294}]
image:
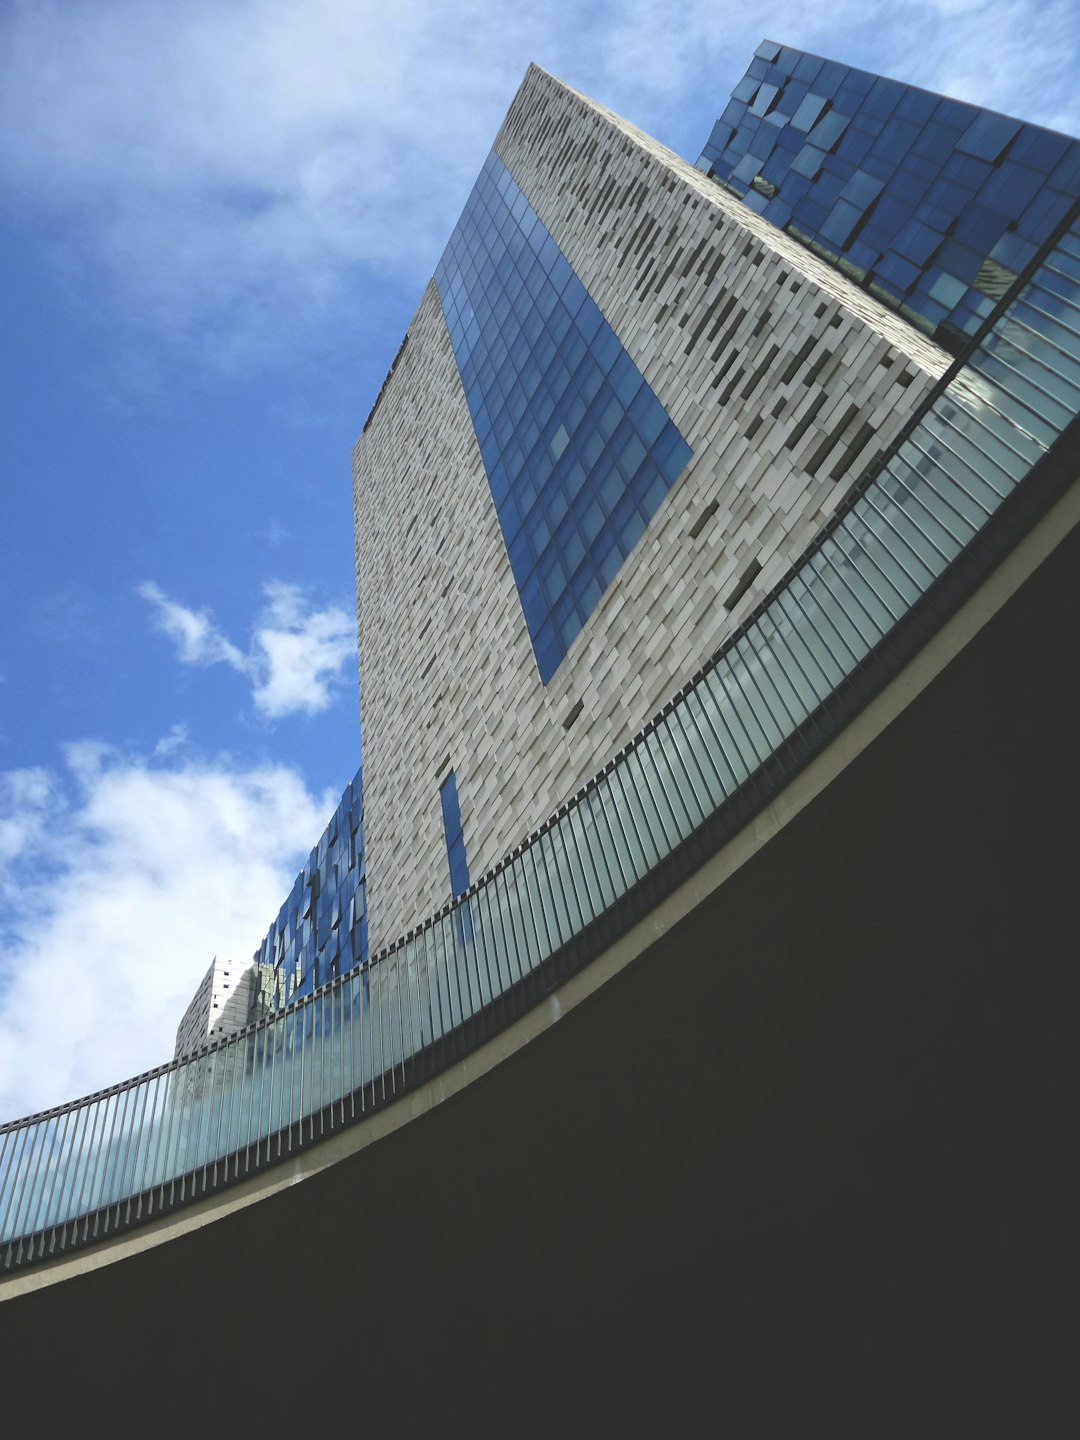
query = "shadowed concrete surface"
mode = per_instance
[{"x": 807, "y": 1167}]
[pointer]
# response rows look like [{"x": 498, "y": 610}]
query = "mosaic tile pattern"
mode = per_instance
[
  {"x": 578, "y": 450},
  {"x": 931, "y": 204},
  {"x": 321, "y": 930}
]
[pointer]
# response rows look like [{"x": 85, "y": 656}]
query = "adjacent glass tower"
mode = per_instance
[
  {"x": 933, "y": 205},
  {"x": 321, "y": 929}
]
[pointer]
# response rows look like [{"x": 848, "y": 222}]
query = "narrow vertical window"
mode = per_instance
[{"x": 455, "y": 840}]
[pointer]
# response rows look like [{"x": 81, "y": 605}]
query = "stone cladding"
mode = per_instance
[{"x": 785, "y": 379}]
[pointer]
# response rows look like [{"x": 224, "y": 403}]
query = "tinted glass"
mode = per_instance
[
  {"x": 321, "y": 930},
  {"x": 578, "y": 450},
  {"x": 970, "y": 178}
]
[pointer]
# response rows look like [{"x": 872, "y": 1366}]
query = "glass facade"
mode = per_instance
[
  {"x": 578, "y": 450},
  {"x": 321, "y": 930},
  {"x": 932, "y": 205}
]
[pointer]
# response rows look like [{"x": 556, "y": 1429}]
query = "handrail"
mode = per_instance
[{"x": 983, "y": 450}]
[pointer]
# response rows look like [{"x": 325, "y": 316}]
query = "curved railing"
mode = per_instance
[{"x": 982, "y": 457}]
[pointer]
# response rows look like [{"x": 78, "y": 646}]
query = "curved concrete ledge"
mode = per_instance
[{"x": 810, "y": 1156}]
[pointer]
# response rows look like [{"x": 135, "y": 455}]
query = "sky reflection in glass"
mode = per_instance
[
  {"x": 932, "y": 205},
  {"x": 321, "y": 930},
  {"x": 578, "y": 450}
]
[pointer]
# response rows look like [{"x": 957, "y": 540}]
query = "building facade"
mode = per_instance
[
  {"x": 633, "y": 392},
  {"x": 222, "y": 1003},
  {"x": 933, "y": 205},
  {"x": 320, "y": 932},
  {"x": 625, "y": 404},
  {"x": 321, "y": 929}
]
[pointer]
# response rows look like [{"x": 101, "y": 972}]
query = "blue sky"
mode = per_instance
[{"x": 216, "y": 220}]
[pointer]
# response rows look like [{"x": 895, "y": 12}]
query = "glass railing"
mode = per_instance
[{"x": 887, "y": 568}]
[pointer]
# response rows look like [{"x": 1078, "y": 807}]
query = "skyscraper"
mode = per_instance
[
  {"x": 320, "y": 931},
  {"x": 625, "y": 404}
]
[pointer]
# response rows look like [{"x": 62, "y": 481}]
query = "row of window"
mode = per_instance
[{"x": 578, "y": 450}]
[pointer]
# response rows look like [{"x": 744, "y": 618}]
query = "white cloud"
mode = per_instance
[
  {"x": 174, "y": 741},
  {"x": 301, "y": 653},
  {"x": 115, "y": 902},
  {"x": 296, "y": 653},
  {"x": 198, "y": 640},
  {"x": 1010, "y": 55},
  {"x": 242, "y": 172},
  {"x": 232, "y": 163}
]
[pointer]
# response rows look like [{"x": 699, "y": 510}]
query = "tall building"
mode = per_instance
[
  {"x": 625, "y": 404},
  {"x": 320, "y": 931},
  {"x": 633, "y": 392}
]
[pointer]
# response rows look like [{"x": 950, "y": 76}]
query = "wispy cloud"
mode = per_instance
[
  {"x": 198, "y": 640},
  {"x": 123, "y": 876},
  {"x": 1008, "y": 55},
  {"x": 25, "y": 800},
  {"x": 176, "y": 740},
  {"x": 236, "y": 165},
  {"x": 296, "y": 654},
  {"x": 242, "y": 171},
  {"x": 274, "y": 533}
]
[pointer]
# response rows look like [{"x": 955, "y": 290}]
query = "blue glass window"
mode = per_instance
[
  {"x": 988, "y": 135},
  {"x": 578, "y": 450},
  {"x": 963, "y": 174},
  {"x": 321, "y": 930},
  {"x": 455, "y": 838}
]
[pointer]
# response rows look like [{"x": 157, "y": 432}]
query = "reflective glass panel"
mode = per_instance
[
  {"x": 984, "y": 178},
  {"x": 578, "y": 450}
]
